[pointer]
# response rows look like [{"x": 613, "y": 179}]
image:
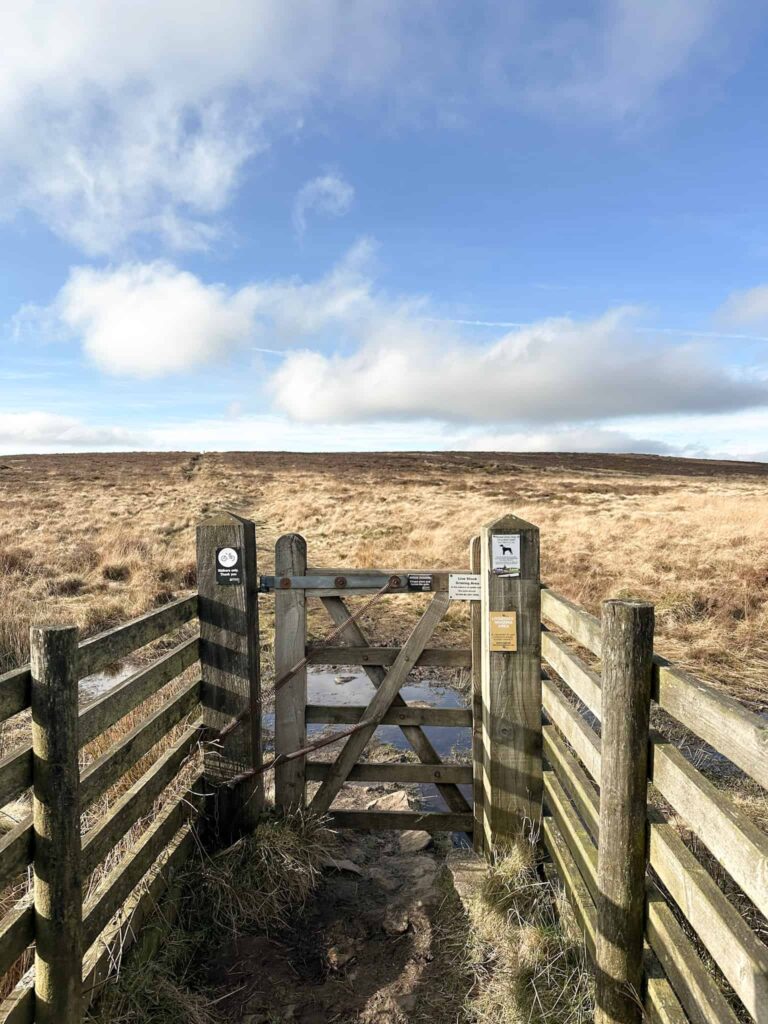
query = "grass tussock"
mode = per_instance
[
  {"x": 253, "y": 886},
  {"x": 525, "y": 948}
]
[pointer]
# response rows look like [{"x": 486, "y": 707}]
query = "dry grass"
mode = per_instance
[
  {"x": 253, "y": 886},
  {"x": 97, "y": 539},
  {"x": 522, "y": 946}
]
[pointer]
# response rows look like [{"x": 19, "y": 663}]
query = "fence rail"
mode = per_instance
[
  {"x": 690, "y": 902},
  {"x": 38, "y": 994}
]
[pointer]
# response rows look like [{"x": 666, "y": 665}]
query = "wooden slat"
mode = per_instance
[
  {"x": 420, "y": 743},
  {"x": 739, "y": 845},
  {"x": 16, "y": 851},
  {"x": 584, "y": 740},
  {"x": 403, "y": 821},
  {"x": 15, "y": 691},
  {"x": 136, "y": 802},
  {"x": 734, "y": 947},
  {"x": 113, "y": 644},
  {"x": 574, "y": 779},
  {"x": 19, "y": 1007},
  {"x": 572, "y": 670},
  {"x": 693, "y": 984},
  {"x": 126, "y": 875},
  {"x": 317, "y": 771},
  {"x": 103, "y": 713},
  {"x": 291, "y": 698},
  {"x": 380, "y": 703},
  {"x": 17, "y": 931},
  {"x": 118, "y": 937},
  {"x": 582, "y": 848},
  {"x": 431, "y": 657},
  {"x": 661, "y": 1004},
  {"x": 582, "y": 626},
  {"x": 575, "y": 886},
  {"x": 122, "y": 756},
  {"x": 718, "y": 719},
  {"x": 15, "y": 773},
  {"x": 348, "y": 714}
]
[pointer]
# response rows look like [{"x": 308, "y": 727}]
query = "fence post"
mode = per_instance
[
  {"x": 627, "y": 650},
  {"x": 511, "y": 679},
  {"x": 56, "y": 818},
  {"x": 228, "y": 605},
  {"x": 290, "y": 649},
  {"x": 476, "y": 626}
]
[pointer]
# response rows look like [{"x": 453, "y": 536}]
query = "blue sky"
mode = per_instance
[{"x": 325, "y": 225}]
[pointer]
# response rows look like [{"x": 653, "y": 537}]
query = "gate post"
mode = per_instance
[
  {"x": 58, "y": 899},
  {"x": 290, "y": 649},
  {"x": 627, "y": 652},
  {"x": 476, "y": 632},
  {"x": 228, "y": 605},
  {"x": 511, "y": 679}
]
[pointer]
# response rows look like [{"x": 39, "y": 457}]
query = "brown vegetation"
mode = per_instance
[{"x": 95, "y": 539}]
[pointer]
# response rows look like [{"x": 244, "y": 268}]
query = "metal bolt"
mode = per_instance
[
  {"x": 285, "y": 583},
  {"x": 340, "y": 582},
  {"x": 394, "y": 581}
]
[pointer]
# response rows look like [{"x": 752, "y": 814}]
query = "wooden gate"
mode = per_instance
[{"x": 387, "y": 668}]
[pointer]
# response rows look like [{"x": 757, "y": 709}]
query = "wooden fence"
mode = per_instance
[
  {"x": 676, "y": 928},
  {"x": 665, "y": 915}
]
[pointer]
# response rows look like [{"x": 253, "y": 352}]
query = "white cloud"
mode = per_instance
[
  {"x": 120, "y": 117},
  {"x": 746, "y": 308},
  {"x": 555, "y": 371},
  {"x": 148, "y": 320},
  {"x": 22, "y": 432},
  {"x": 329, "y": 194},
  {"x": 569, "y": 439}
]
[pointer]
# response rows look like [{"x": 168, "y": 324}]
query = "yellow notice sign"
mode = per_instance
[{"x": 503, "y": 631}]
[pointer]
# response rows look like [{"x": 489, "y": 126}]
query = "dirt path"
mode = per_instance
[{"x": 367, "y": 947}]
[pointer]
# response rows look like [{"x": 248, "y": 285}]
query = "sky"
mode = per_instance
[{"x": 384, "y": 224}]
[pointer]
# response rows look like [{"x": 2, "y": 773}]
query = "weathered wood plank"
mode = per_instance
[
  {"x": 113, "y": 891},
  {"x": 731, "y": 837},
  {"x": 575, "y": 886},
  {"x": 113, "y": 644},
  {"x": 123, "y": 931},
  {"x": 660, "y": 1004},
  {"x": 572, "y": 670},
  {"x": 230, "y": 669},
  {"x": 403, "y": 821},
  {"x": 15, "y": 773},
  {"x": 17, "y": 931},
  {"x": 575, "y": 621},
  {"x": 627, "y": 650},
  {"x": 511, "y": 689},
  {"x": 19, "y": 1007},
  {"x": 734, "y": 947},
  {"x": 380, "y": 703},
  {"x": 317, "y": 771},
  {"x": 431, "y": 657},
  {"x": 580, "y": 844},
  {"x": 735, "y": 732},
  {"x": 104, "y": 712},
  {"x": 348, "y": 714},
  {"x": 124, "y": 754},
  {"x": 290, "y": 647},
  {"x": 581, "y": 737},
  {"x": 420, "y": 743},
  {"x": 58, "y": 905},
  {"x": 15, "y": 691},
  {"x": 574, "y": 779},
  {"x": 693, "y": 984},
  {"x": 136, "y": 801},
  {"x": 16, "y": 851},
  {"x": 476, "y": 652}
]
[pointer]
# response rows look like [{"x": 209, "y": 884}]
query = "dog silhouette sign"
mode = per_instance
[{"x": 505, "y": 560}]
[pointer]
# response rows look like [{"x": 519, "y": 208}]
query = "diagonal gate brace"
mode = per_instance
[
  {"x": 386, "y": 694},
  {"x": 417, "y": 738}
]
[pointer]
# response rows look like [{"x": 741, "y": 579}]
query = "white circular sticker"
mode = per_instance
[{"x": 227, "y": 557}]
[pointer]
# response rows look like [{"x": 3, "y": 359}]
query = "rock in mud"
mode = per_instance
[
  {"x": 414, "y": 842},
  {"x": 343, "y": 679},
  {"x": 397, "y": 801}
]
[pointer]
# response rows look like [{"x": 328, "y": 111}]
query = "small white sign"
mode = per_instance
[
  {"x": 463, "y": 586},
  {"x": 505, "y": 554},
  {"x": 227, "y": 557}
]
